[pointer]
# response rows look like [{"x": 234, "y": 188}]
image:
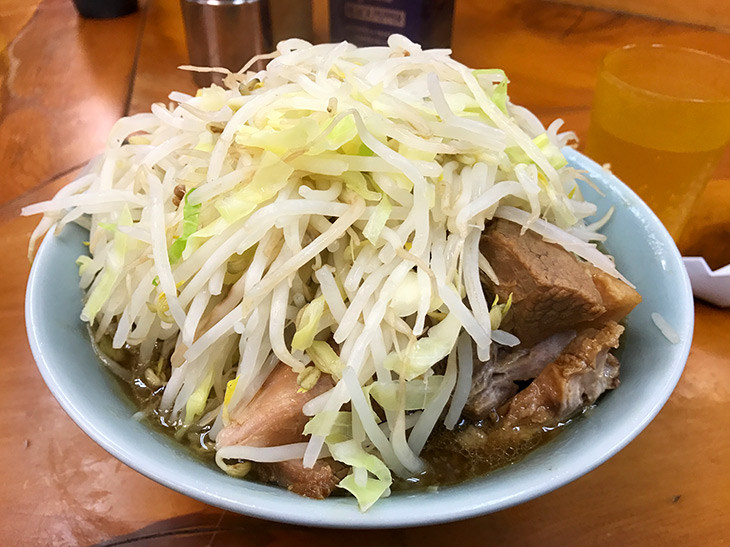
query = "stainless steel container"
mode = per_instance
[{"x": 224, "y": 33}]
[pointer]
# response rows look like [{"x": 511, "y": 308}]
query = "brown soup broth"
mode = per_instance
[{"x": 447, "y": 463}]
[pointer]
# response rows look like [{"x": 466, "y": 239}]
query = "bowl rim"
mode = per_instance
[{"x": 400, "y": 508}]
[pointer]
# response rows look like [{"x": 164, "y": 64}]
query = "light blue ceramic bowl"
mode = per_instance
[{"x": 651, "y": 367}]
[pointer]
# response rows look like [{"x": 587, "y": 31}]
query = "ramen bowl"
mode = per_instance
[{"x": 650, "y": 368}]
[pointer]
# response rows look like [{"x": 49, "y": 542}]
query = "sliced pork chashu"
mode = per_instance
[
  {"x": 274, "y": 417},
  {"x": 579, "y": 375},
  {"x": 317, "y": 482},
  {"x": 552, "y": 291},
  {"x": 574, "y": 380},
  {"x": 495, "y": 381}
]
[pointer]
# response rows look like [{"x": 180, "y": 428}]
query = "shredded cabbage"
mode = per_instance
[
  {"x": 418, "y": 393},
  {"x": 428, "y": 350},
  {"x": 191, "y": 212},
  {"x": 309, "y": 324},
  {"x": 333, "y": 424},
  {"x": 378, "y": 220},
  {"x": 102, "y": 288},
  {"x": 271, "y": 176},
  {"x": 376, "y": 482},
  {"x": 198, "y": 398}
]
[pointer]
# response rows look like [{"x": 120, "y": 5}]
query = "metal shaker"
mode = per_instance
[{"x": 224, "y": 33}]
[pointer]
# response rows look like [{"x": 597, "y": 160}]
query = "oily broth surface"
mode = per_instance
[{"x": 445, "y": 465}]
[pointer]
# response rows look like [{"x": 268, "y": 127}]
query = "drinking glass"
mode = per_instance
[{"x": 661, "y": 119}]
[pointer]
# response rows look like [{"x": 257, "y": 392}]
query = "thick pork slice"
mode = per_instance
[
  {"x": 574, "y": 380},
  {"x": 552, "y": 291},
  {"x": 274, "y": 417},
  {"x": 618, "y": 298},
  {"x": 317, "y": 482},
  {"x": 495, "y": 381}
]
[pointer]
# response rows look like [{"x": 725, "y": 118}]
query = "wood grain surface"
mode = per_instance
[
  {"x": 64, "y": 82},
  {"x": 710, "y": 13}
]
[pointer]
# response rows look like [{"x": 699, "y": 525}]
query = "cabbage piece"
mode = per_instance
[
  {"x": 552, "y": 152},
  {"x": 406, "y": 299},
  {"x": 542, "y": 141},
  {"x": 427, "y": 351},
  {"x": 279, "y": 142},
  {"x": 416, "y": 154},
  {"x": 308, "y": 324},
  {"x": 112, "y": 269},
  {"x": 196, "y": 239},
  {"x": 356, "y": 147},
  {"x": 335, "y": 425},
  {"x": 196, "y": 402},
  {"x": 368, "y": 493},
  {"x": 191, "y": 214},
  {"x": 418, "y": 393},
  {"x": 377, "y": 220},
  {"x": 499, "y": 93},
  {"x": 205, "y": 142},
  {"x": 323, "y": 164},
  {"x": 340, "y": 135},
  {"x": 357, "y": 182},
  {"x": 377, "y": 481},
  {"x": 271, "y": 176}
]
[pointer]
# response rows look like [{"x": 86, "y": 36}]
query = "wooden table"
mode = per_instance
[{"x": 64, "y": 82}]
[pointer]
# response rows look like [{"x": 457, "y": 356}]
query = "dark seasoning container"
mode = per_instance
[
  {"x": 370, "y": 22},
  {"x": 227, "y": 33}
]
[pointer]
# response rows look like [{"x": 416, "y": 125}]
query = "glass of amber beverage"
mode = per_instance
[{"x": 661, "y": 119}]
